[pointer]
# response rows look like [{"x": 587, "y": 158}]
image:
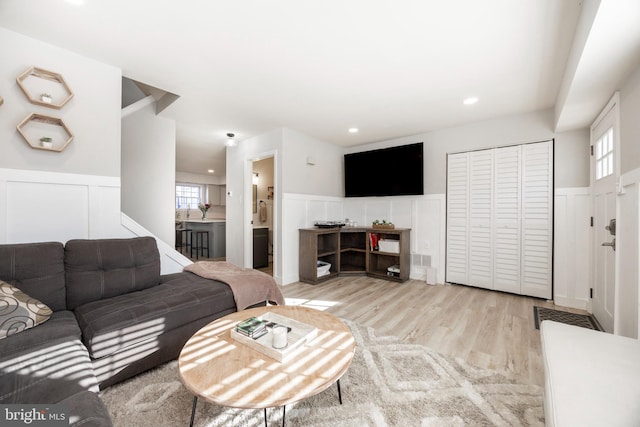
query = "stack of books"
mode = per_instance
[{"x": 252, "y": 327}]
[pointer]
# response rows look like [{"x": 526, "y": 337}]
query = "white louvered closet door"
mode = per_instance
[
  {"x": 507, "y": 197},
  {"x": 457, "y": 218},
  {"x": 480, "y": 218},
  {"x": 501, "y": 236},
  {"x": 537, "y": 219}
]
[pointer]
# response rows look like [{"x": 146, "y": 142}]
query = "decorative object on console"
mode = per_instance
[
  {"x": 383, "y": 224},
  {"x": 328, "y": 224},
  {"x": 46, "y": 83}
]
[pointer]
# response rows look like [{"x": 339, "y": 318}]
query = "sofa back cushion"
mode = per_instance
[
  {"x": 104, "y": 268},
  {"x": 37, "y": 269}
]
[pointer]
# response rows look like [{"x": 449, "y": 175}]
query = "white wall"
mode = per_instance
[
  {"x": 572, "y": 247},
  {"x": 239, "y": 209},
  {"x": 627, "y": 317},
  {"x": 49, "y": 196},
  {"x": 323, "y": 178},
  {"x": 630, "y": 123},
  {"x": 148, "y": 169},
  {"x": 426, "y": 215},
  {"x": 93, "y": 114},
  {"x": 290, "y": 150}
]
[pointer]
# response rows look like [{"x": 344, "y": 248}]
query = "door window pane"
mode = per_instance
[{"x": 604, "y": 155}]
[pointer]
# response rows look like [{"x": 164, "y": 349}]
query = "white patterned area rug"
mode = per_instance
[{"x": 389, "y": 383}]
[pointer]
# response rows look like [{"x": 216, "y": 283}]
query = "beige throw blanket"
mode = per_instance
[{"x": 249, "y": 286}]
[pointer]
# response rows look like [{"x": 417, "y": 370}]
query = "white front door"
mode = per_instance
[{"x": 603, "y": 178}]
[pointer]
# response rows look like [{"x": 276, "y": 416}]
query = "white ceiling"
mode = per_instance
[{"x": 390, "y": 68}]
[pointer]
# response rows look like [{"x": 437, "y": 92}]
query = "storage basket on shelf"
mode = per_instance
[{"x": 323, "y": 268}]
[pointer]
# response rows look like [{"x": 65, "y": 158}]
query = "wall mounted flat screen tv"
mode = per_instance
[{"x": 394, "y": 171}]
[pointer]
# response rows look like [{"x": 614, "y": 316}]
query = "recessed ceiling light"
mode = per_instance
[
  {"x": 353, "y": 130},
  {"x": 210, "y": 171},
  {"x": 470, "y": 101}
]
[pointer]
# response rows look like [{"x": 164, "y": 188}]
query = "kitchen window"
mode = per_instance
[{"x": 188, "y": 196}]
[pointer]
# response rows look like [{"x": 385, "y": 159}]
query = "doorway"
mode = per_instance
[
  {"x": 604, "y": 175},
  {"x": 262, "y": 213}
]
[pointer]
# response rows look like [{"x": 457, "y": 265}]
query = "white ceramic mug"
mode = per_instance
[{"x": 279, "y": 339}]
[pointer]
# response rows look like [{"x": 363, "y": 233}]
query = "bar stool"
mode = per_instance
[
  {"x": 200, "y": 243},
  {"x": 183, "y": 239}
]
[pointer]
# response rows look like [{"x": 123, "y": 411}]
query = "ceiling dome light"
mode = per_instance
[
  {"x": 353, "y": 130},
  {"x": 470, "y": 101},
  {"x": 230, "y": 141},
  {"x": 210, "y": 170}
]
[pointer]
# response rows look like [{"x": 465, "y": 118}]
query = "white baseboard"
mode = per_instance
[{"x": 571, "y": 303}]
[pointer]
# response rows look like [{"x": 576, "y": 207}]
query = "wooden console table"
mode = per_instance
[{"x": 349, "y": 252}]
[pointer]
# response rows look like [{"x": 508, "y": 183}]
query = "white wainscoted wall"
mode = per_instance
[
  {"x": 627, "y": 305},
  {"x": 426, "y": 216},
  {"x": 50, "y": 206},
  {"x": 572, "y": 247}
]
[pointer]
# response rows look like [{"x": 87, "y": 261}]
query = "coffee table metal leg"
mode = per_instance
[
  {"x": 193, "y": 410},
  {"x": 284, "y": 413},
  {"x": 265, "y": 417},
  {"x": 339, "y": 393}
]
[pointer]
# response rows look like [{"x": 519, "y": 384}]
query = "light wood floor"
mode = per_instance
[{"x": 487, "y": 329}]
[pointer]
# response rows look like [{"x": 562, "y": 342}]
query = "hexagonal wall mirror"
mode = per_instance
[
  {"x": 45, "y": 132},
  {"x": 45, "y": 88}
]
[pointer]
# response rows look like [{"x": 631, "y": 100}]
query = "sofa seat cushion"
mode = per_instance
[
  {"x": 46, "y": 363},
  {"x": 86, "y": 409},
  {"x": 61, "y": 325},
  {"x": 591, "y": 378},
  {"x": 113, "y": 324}
]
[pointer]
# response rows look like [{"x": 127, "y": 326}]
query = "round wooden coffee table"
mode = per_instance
[{"x": 215, "y": 367}]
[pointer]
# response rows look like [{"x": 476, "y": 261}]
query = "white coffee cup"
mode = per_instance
[{"x": 279, "y": 339}]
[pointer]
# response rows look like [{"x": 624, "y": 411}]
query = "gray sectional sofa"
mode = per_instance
[{"x": 114, "y": 316}]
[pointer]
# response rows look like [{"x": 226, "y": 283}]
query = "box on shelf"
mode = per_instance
[
  {"x": 387, "y": 245},
  {"x": 323, "y": 268}
]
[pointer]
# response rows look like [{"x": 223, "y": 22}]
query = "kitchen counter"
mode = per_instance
[{"x": 199, "y": 221}]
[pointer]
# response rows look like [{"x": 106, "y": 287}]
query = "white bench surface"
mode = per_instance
[{"x": 592, "y": 378}]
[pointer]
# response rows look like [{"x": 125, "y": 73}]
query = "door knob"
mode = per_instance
[
  {"x": 611, "y": 243},
  {"x": 611, "y": 228}
]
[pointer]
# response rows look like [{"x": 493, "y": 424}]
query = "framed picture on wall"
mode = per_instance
[{"x": 269, "y": 193}]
